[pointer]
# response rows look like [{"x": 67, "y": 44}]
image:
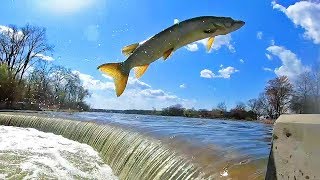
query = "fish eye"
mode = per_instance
[{"x": 208, "y": 31}]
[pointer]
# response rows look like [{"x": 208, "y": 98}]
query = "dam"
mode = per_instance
[
  {"x": 137, "y": 155},
  {"x": 130, "y": 155}
]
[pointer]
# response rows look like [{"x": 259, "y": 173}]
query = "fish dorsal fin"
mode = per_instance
[
  {"x": 167, "y": 53},
  {"x": 209, "y": 43},
  {"x": 140, "y": 70},
  {"x": 128, "y": 50}
]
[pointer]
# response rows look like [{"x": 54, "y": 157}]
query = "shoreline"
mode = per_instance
[{"x": 264, "y": 121}]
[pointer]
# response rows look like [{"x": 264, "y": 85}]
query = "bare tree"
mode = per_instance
[
  {"x": 38, "y": 88},
  {"x": 222, "y": 107},
  {"x": 263, "y": 106},
  {"x": 306, "y": 98},
  {"x": 19, "y": 48},
  {"x": 316, "y": 88},
  {"x": 303, "y": 88},
  {"x": 241, "y": 106},
  {"x": 252, "y": 105},
  {"x": 279, "y": 92},
  {"x": 49, "y": 85}
]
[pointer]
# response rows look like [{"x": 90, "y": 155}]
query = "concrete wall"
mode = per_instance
[{"x": 295, "y": 152}]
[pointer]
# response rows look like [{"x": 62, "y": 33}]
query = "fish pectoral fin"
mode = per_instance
[
  {"x": 140, "y": 70},
  {"x": 209, "y": 43},
  {"x": 128, "y": 50},
  {"x": 167, "y": 53}
]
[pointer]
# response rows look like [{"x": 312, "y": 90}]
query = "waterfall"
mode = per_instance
[{"x": 131, "y": 155}]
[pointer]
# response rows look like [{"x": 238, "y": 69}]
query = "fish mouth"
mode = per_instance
[
  {"x": 238, "y": 24},
  {"x": 239, "y": 21}
]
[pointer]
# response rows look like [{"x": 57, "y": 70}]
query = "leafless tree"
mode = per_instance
[
  {"x": 222, "y": 107},
  {"x": 252, "y": 105},
  {"x": 279, "y": 92},
  {"x": 51, "y": 85},
  {"x": 306, "y": 98},
  {"x": 241, "y": 106},
  {"x": 19, "y": 48},
  {"x": 316, "y": 89}
]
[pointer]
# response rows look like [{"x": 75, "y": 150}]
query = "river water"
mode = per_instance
[
  {"x": 239, "y": 147},
  {"x": 235, "y": 149}
]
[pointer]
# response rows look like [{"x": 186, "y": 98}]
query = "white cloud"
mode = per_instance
[
  {"x": 5, "y": 29},
  {"x": 157, "y": 94},
  {"x": 221, "y": 65},
  {"x": 9, "y": 32},
  {"x": 242, "y": 61},
  {"x": 61, "y": 7},
  {"x": 219, "y": 42},
  {"x": 138, "y": 95},
  {"x": 136, "y": 99},
  {"x": 192, "y": 47},
  {"x": 90, "y": 83},
  {"x": 136, "y": 83},
  {"x": 259, "y": 35},
  {"x": 44, "y": 57},
  {"x": 268, "y": 56},
  {"x": 305, "y": 14},
  {"x": 206, "y": 73},
  {"x": 182, "y": 86},
  {"x": 226, "y": 72},
  {"x": 291, "y": 64},
  {"x": 222, "y": 73},
  {"x": 175, "y": 21},
  {"x": 267, "y": 69}
]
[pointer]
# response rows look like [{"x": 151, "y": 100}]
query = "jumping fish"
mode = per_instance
[{"x": 163, "y": 44}]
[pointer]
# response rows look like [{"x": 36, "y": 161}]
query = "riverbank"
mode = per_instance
[
  {"x": 48, "y": 112},
  {"x": 133, "y": 112},
  {"x": 199, "y": 114}
]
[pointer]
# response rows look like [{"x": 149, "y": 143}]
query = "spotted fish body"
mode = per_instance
[{"x": 166, "y": 42}]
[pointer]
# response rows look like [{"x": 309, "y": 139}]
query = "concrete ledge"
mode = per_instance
[{"x": 295, "y": 152}]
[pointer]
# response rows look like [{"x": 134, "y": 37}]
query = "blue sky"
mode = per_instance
[{"x": 279, "y": 38}]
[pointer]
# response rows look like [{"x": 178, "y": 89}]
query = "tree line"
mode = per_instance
[
  {"x": 28, "y": 80},
  {"x": 280, "y": 95},
  {"x": 301, "y": 95}
]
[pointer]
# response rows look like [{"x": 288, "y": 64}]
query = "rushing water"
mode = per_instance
[
  {"x": 247, "y": 138},
  {"x": 27, "y": 153},
  {"x": 222, "y": 148},
  {"x": 224, "y": 143}
]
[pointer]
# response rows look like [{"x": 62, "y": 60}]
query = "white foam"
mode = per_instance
[{"x": 36, "y": 155}]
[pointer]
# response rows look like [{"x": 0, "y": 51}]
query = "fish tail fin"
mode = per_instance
[{"x": 119, "y": 74}]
